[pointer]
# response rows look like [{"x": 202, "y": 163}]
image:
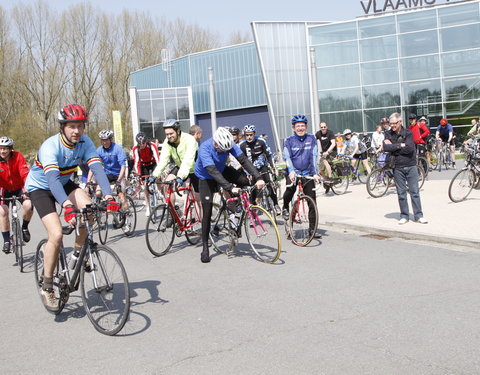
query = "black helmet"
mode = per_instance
[
  {"x": 234, "y": 130},
  {"x": 412, "y": 116},
  {"x": 141, "y": 138}
]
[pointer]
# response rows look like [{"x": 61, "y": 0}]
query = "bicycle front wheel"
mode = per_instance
[
  {"x": 130, "y": 222},
  {"x": 160, "y": 230},
  {"x": 423, "y": 162},
  {"x": 362, "y": 173},
  {"x": 17, "y": 243},
  {"x": 102, "y": 226},
  {"x": 461, "y": 185},
  {"x": 221, "y": 236},
  {"x": 194, "y": 223},
  {"x": 340, "y": 184},
  {"x": 105, "y": 290},
  {"x": 262, "y": 234},
  {"x": 378, "y": 182},
  {"x": 303, "y": 220},
  {"x": 421, "y": 176}
]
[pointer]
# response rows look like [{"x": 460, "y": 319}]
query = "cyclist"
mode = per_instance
[
  {"x": 196, "y": 132},
  {"x": 49, "y": 181},
  {"x": 473, "y": 132},
  {"x": 420, "y": 131},
  {"x": 356, "y": 149},
  {"x": 385, "y": 124},
  {"x": 114, "y": 162},
  {"x": 182, "y": 149},
  {"x": 212, "y": 172},
  {"x": 444, "y": 133},
  {"x": 377, "y": 139},
  {"x": 301, "y": 155},
  {"x": 13, "y": 173},
  {"x": 145, "y": 159},
  {"x": 328, "y": 146},
  {"x": 258, "y": 152}
]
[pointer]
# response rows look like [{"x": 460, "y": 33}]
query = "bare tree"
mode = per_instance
[
  {"x": 239, "y": 37},
  {"x": 187, "y": 38}
]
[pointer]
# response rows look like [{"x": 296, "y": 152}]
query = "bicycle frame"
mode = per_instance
[{"x": 185, "y": 221}]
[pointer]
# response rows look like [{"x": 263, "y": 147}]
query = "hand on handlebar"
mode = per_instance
[
  {"x": 292, "y": 175},
  {"x": 236, "y": 191},
  {"x": 260, "y": 184}
]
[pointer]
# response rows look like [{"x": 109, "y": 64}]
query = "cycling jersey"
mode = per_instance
[
  {"x": 113, "y": 158},
  {"x": 183, "y": 155},
  {"x": 444, "y": 131},
  {"x": 144, "y": 157},
  {"x": 258, "y": 152},
  {"x": 13, "y": 172},
  {"x": 301, "y": 154},
  {"x": 419, "y": 131},
  {"x": 208, "y": 155}
]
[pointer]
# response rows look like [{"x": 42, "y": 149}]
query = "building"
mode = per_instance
[{"x": 424, "y": 60}]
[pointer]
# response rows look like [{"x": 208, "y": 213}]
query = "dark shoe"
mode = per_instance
[
  {"x": 315, "y": 234},
  {"x": 327, "y": 189},
  {"x": 26, "y": 234},
  {"x": 205, "y": 256},
  {"x": 6, "y": 247},
  {"x": 285, "y": 214}
]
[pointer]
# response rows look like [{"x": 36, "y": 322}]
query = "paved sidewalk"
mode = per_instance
[{"x": 451, "y": 223}]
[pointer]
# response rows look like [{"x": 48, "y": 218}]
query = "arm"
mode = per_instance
[
  {"x": 155, "y": 152},
  {"x": 164, "y": 159},
  {"x": 424, "y": 131},
  {"x": 218, "y": 177},
  {"x": 268, "y": 153},
  {"x": 136, "y": 160},
  {"x": 288, "y": 159},
  {"x": 188, "y": 160}
]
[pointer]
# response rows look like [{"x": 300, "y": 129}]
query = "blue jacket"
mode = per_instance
[
  {"x": 301, "y": 154},
  {"x": 113, "y": 158}
]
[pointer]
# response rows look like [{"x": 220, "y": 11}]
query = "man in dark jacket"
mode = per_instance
[{"x": 399, "y": 142}]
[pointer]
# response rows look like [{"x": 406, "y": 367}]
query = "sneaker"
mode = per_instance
[
  {"x": 402, "y": 221},
  {"x": 147, "y": 212},
  {"x": 278, "y": 210},
  {"x": 315, "y": 234},
  {"x": 327, "y": 189},
  {"x": 26, "y": 234},
  {"x": 454, "y": 165},
  {"x": 285, "y": 214},
  {"x": 422, "y": 220},
  {"x": 49, "y": 300},
  {"x": 6, "y": 247}
]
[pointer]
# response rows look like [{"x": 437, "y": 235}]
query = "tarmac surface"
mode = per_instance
[{"x": 450, "y": 223}]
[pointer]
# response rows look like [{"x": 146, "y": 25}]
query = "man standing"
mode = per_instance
[
  {"x": 399, "y": 142},
  {"x": 328, "y": 146}
]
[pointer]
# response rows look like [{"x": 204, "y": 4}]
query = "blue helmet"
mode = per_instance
[
  {"x": 299, "y": 118},
  {"x": 250, "y": 128}
]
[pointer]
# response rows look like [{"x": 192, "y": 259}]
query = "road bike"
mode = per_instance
[
  {"x": 302, "y": 222},
  {"x": 16, "y": 237},
  {"x": 135, "y": 190},
  {"x": 467, "y": 178},
  {"x": 166, "y": 221},
  {"x": 98, "y": 272},
  {"x": 237, "y": 213},
  {"x": 443, "y": 157}
]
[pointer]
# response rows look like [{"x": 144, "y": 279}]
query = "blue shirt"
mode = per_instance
[
  {"x": 113, "y": 158},
  {"x": 208, "y": 155},
  {"x": 301, "y": 154},
  {"x": 445, "y": 130}
]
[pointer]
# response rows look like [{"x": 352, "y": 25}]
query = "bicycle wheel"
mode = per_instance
[
  {"x": 130, "y": 223},
  {"x": 160, "y": 230},
  {"x": 59, "y": 281},
  {"x": 378, "y": 182},
  {"x": 301, "y": 230},
  {"x": 461, "y": 185},
  {"x": 421, "y": 176},
  {"x": 193, "y": 234},
  {"x": 102, "y": 226},
  {"x": 105, "y": 290},
  {"x": 262, "y": 234},
  {"x": 448, "y": 159},
  {"x": 362, "y": 173},
  {"x": 440, "y": 161},
  {"x": 434, "y": 159},
  {"x": 340, "y": 184},
  {"x": 423, "y": 162},
  {"x": 222, "y": 237},
  {"x": 18, "y": 243}
]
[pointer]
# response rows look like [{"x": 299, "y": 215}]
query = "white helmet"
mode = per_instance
[
  {"x": 347, "y": 131},
  {"x": 223, "y": 138},
  {"x": 105, "y": 134},
  {"x": 6, "y": 142}
]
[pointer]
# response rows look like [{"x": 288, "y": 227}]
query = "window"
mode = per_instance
[
  {"x": 381, "y": 96},
  {"x": 460, "y": 37},
  {"x": 333, "y": 33},
  {"x": 338, "y": 76},
  {"x": 422, "y": 92},
  {"x": 376, "y": 27},
  {"x": 340, "y": 100},
  {"x": 337, "y": 53},
  {"x": 416, "y": 21},
  {"x": 378, "y": 48},
  {"x": 458, "y": 15},
  {"x": 420, "y": 68},
  {"x": 420, "y": 43},
  {"x": 380, "y": 72}
]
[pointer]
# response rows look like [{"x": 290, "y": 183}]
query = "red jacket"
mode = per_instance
[
  {"x": 420, "y": 131},
  {"x": 13, "y": 172},
  {"x": 144, "y": 157}
]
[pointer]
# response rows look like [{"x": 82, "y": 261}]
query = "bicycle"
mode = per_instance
[
  {"x": 444, "y": 156},
  {"x": 467, "y": 178},
  {"x": 358, "y": 172},
  {"x": 98, "y": 272},
  {"x": 260, "y": 228},
  {"x": 303, "y": 219},
  {"x": 16, "y": 239},
  {"x": 135, "y": 191},
  {"x": 166, "y": 221},
  {"x": 340, "y": 176},
  {"x": 264, "y": 197}
]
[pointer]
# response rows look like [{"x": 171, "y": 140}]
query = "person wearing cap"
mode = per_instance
[
  {"x": 385, "y": 124},
  {"x": 328, "y": 149},
  {"x": 445, "y": 134},
  {"x": 419, "y": 131},
  {"x": 377, "y": 139},
  {"x": 356, "y": 149},
  {"x": 428, "y": 146}
]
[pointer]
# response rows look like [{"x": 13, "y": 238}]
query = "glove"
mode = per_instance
[
  {"x": 112, "y": 205},
  {"x": 179, "y": 181},
  {"x": 69, "y": 213},
  {"x": 151, "y": 180}
]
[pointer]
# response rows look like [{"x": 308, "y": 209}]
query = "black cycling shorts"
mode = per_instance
[
  {"x": 44, "y": 201},
  {"x": 361, "y": 156},
  {"x": 451, "y": 143},
  {"x": 146, "y": 170}
]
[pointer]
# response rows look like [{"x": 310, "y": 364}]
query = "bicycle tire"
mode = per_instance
[
  {"x": 102, "y": 226},
  {"x": 341, "y": 186},
  {"x": 130, "y": 223},
  {"x": 262, "y": 234},
  {"x": 461, "y": 185},
  {"x": 421, "y": 176},
  {"x": 362, "y": 173},
  {"x": 106, "y": 294},
  {"x": 434, "y": 159},
  {"x": 18, "y": 243},
  {"x": 192, "y": 216},
  {"x": 299, "y": 224},
  {"x": 57, "y": 279},
  {"x": 160, "y": 230},
  {"x": 441, "y": 160},
  {"x": 378, "y": 182},
  {"x": 267, "y": 203},
  {"x": 222, "y": 237},
  {"x": 423, "y": 162}
]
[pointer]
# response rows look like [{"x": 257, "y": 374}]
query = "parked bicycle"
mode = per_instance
[
  {"x": 467, "y": 178},
  {"x": 99, "y": 274},
  {"x": 16, "y": 239}
]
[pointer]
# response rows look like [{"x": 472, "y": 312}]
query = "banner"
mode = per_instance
[{"x": 117, "y": 127}]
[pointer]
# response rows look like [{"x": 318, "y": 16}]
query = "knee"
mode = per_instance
[{"x": 55, "y": 237}]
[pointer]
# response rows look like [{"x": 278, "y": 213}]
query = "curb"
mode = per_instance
[{"x": 408, "y": 236}]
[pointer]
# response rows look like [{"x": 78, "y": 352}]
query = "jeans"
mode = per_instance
[{"x": 408, "y": 176}]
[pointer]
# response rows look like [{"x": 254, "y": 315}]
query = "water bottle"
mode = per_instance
[{"x": 73, "y": 260}]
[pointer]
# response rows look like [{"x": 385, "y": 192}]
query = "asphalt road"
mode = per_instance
[{"x": 349, "y": 304}]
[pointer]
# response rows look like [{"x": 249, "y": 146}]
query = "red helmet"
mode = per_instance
[
  {"x": 384, "y": 120},
  {"x": 443, "y": 121},
  {"x": 72, "y": 112}
]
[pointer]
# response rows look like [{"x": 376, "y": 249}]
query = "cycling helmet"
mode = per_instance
[
  {"x": 233, "y": 130},
  {"x": 347, "y": 131},
  {"x": 384, "y": 121},
  {"x": 72, "y": 112},
  {"x": 141, "y": 138},
  {"x": 250, "y": 128},
  {"x": 6, "y": 142},
  {"x": 423, "y": 118},
  {"x": 443, "y": 121},
  {"x": 299, "y": 118},
  {"x": 105, "y": 134},
  {"x": 223, "y": 138},
  {"x": 412, "y": 116},
  {"x": 171, "y": 123}
]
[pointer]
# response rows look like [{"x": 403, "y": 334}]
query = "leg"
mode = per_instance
[
  {"x": 80, "y": 199},
  {"x": 207, "y": 190},
  {"x": 312, "y": 217},
  {"x": 400, "y": 178},
  {"x": 27, "y": 216},
  {"x": 412, "y": 180},
  {"x": 5, "y": 228}
]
